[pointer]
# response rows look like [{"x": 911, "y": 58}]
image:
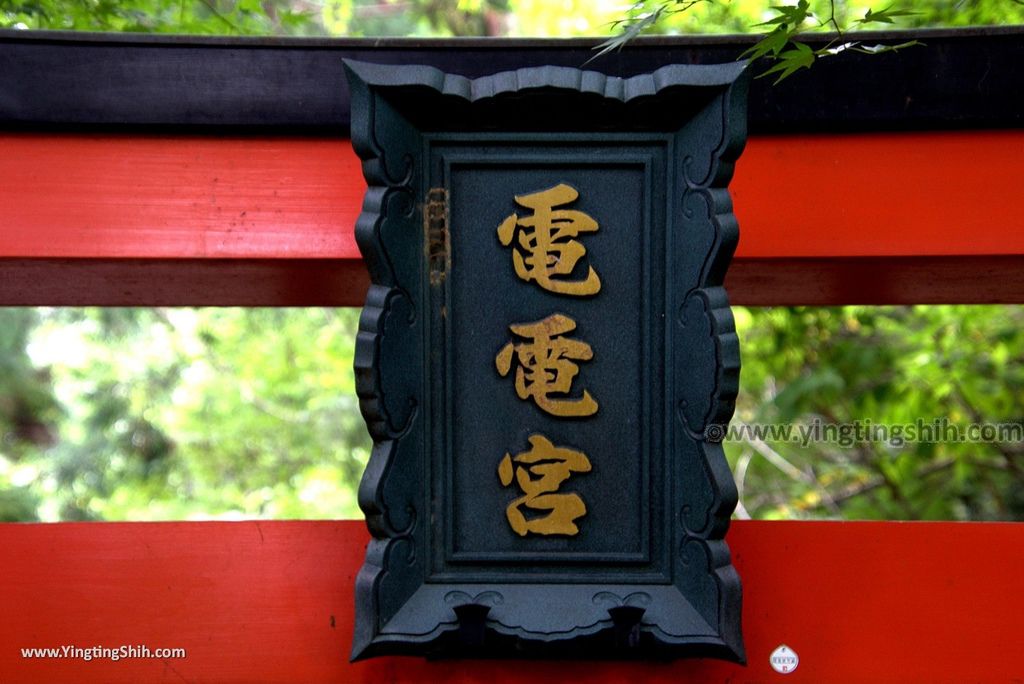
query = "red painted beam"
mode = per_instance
[
  {"x": 272, "y": 602},
  {"x": 103, "y": 196},
  {"x": 153, "y": 197},
  {"x": 879, "y": 218},
  {"x": 881, "y": 195}
]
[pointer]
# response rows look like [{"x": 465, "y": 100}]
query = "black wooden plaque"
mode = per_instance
[{"x": 545, "y": 361}]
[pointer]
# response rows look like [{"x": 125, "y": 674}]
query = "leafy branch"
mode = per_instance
[{"x": 779, "y": 43}]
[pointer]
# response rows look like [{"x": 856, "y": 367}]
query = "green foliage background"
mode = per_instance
[
  {"x": 474, "y": 17},
  {"x": 152, "y": 414},
  {"x": 887, "y": 365}
]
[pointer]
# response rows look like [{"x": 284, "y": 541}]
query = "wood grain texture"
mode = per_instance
[
  {"x": 153, "y": 197},
  {"x": 875, "y": 195},
  {"x": 182, "y": 282},
  {"x": 152, "y": 220},
  {"x": 966, "y": 78},
  {"x": 832, "y": 281},
  {"x": 268, "y": 601},
  {"x": 827, "y": 281}
]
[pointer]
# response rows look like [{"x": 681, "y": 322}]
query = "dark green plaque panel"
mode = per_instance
[{"x": 543, "y": 350}]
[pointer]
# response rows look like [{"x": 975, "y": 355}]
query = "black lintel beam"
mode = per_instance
[{"x": 966, "y": 78}]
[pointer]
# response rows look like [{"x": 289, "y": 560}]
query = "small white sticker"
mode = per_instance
[{"x": 784, "y": 659}]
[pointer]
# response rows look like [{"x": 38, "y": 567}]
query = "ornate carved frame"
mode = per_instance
[{"x": 694, "y": 116}]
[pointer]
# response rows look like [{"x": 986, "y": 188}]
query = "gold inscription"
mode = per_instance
[
  {"x": 545, "y": 365},
  {"x": 545, "y": 250},
  {"x": 539, "y": 473}
]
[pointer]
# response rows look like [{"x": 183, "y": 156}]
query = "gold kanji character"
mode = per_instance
[
  {"x": 546, "y": 365},
  {"x": 546, "y": 249},
  {"x": 539, "y": 472}
]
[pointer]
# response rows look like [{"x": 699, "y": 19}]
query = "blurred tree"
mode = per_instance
[
  {"x": 29, "y": 415},
  {"x": 490, "y": 17},
  {"x": 176, "y": 413},
  {"x": 225, "y": 17},
  {"x": 171, "y": 413},
  {"x": 889, "y": 366},
  {"x": 783, "y": 26},
  {"x": 28, "y": 409},
  {"x": 751, "y": 16},
  {"x": 264, "y": 17}
]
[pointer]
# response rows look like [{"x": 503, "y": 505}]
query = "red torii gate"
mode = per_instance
[{"x": 174, "y": 216}]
